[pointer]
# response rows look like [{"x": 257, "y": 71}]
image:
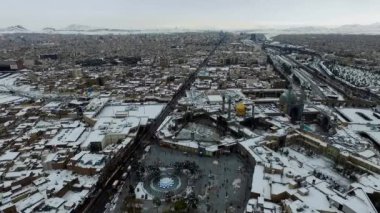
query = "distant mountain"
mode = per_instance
[
  {"x": 271, "y": 31},
  {"x": 359, "y": 29},
  {"x": 344, "y": 29},
  {"x": 48, "y": 30},
  {"x": 76, "y": 27},
  {"x": 307, "y": 29},
  {"x": 89, "y": 29},
  {"x": 16, "y": 29}
]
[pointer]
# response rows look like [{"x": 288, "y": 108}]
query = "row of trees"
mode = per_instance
[{"x": 188, "y": 165}]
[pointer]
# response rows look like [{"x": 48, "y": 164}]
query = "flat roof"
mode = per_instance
[
  {"x": 9, "y": 156},
  {"x": 361, "y": 116},
  {"x": 132, "y": 110}
]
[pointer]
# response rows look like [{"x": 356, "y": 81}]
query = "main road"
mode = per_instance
[{"x": 181, "y": 91}]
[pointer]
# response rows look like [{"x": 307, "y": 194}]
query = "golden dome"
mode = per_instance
[{"x": 240, "y": 109}]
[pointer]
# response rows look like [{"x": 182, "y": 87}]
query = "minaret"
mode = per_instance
[
  {"x": 192, "y": 135},
  {"x": 253, "y": 116},
  {"x": 229, "y": 107},
  {"x": 302, "y": 126},
  {"x": 253, "y": 111},
  {"x": 223, "y": 104}
]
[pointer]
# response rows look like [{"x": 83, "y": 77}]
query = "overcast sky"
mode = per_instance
[{"x": 213, "y": 14}]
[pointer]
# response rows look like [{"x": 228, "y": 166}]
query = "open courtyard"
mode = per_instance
[{"x": 223, "y": 183}]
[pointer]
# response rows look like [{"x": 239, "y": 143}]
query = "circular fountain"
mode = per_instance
[{"x": 166, "y": 182}]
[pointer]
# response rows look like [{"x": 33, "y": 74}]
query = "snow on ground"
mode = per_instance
[
  {"x": 134, "y": 110},
  {"x": 236, "y": 183},
  {"x": 5, "y": 99},
  {"x": 75, "y": 197},
  {"x": 319, "y": 163},
  {"x": 8, "y": 83},
  {"x": 140, "y": 192},
  {"x": 357, "y": 77}
]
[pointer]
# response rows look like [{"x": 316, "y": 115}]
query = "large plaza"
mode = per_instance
[{"x": 223, "y": 182}]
